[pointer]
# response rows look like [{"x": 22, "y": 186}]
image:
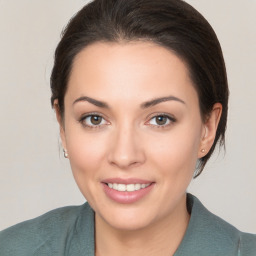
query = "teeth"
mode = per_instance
[
  {"x": 128, "y": 187},
  {"x": 121, "y": 187},
  {"x": 137, "y": 186}
]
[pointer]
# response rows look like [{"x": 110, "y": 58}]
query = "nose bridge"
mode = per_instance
[{"x": 126, "y": 149}]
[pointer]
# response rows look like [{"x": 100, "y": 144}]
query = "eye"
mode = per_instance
[
  {"x": 93, "y": 121},
  {"x": 161, "y": 120}
]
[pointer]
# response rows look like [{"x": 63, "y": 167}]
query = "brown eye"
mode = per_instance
[
  {"x": 161, "y": 120},
  {"x": 95, "y": 120}
]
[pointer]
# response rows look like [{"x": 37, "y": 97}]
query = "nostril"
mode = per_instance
[{"x": 125, "y": 151}]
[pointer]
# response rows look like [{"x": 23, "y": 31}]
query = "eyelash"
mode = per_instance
[
  {"x": 171, "y": 120},
  {"x": 90, "y": 115}
]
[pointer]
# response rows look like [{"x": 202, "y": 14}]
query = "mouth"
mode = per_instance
[
  {"x": 127, "y": 187},
  {"x": 127, "y": 191}
]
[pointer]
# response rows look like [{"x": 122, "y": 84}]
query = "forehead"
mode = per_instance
[{"x": 129, "y": 70}]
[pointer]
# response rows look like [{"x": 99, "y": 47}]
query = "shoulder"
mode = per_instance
[
  {"x": 247, "y": 244},
  {"x": 229, "y": 237},
  {"x": 208, "y": 234},
  {"x": 48, "y": 233}
]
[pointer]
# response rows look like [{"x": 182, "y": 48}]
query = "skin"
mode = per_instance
[{"x": 128, "y": 142}]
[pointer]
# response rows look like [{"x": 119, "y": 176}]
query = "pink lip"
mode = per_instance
[{"x": 126, "y": 197}]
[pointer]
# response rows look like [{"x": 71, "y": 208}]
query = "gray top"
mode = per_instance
[{"x": 70, "y": 231}]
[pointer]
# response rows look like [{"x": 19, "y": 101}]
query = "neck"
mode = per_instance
[{"x": 161, "y": 238}]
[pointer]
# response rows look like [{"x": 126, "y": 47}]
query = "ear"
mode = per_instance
[
  {"x": 61, "y": 123},
  {"x": 209, "y": 130}
]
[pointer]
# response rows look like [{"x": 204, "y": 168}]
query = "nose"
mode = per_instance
[{"x": 126, "y": 148}]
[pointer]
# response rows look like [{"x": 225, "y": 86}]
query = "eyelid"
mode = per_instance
[
  {"x": 86, "y": 115},
  {"x": 171, "y": 118}
]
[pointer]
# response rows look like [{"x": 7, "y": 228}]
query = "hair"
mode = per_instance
[{"x": 173, "y": 24}]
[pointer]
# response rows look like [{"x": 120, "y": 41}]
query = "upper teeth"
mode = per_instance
[{"x": 128, "y": 187}]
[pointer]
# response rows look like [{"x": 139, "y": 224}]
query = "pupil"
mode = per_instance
[
  {"x": 96, "y": 120},
  {"x": 161, "y": 120}
]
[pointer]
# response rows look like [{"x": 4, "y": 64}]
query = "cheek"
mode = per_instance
[
  {"x": 86, "y": 152},
  {"x": 176, "y": 152}
]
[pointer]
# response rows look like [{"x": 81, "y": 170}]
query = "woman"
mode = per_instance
[{"x": 140, "y": 93}]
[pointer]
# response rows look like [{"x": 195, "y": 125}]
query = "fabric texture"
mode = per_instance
[{"x": 69, "y": 231}]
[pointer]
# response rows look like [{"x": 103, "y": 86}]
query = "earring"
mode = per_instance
[
  {"x": 203, "y": 150},
  {"x": 65, "y": 153}
]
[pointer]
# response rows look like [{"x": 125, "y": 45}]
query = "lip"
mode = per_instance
[{"x": 126, "y": 197}]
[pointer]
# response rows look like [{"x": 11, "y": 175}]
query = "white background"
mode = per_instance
[{"x": 34, "y": 176}]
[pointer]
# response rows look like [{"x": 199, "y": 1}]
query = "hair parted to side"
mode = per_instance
[{"x": 173, "y": 24}]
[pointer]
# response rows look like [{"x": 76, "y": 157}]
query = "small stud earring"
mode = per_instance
[
  {"x": 65, "y": 153},
  {"x": 203, "y": 150}
]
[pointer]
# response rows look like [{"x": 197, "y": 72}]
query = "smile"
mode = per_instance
[
  {"x": 127, "y": 187},
  {"x": 127, "y": 191}
]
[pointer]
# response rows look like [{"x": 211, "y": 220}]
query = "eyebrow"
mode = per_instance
[
  {"x": 97, "y": 103},
  {"x": 156, "y": 101},
  {"x": 146, "y": 104}
]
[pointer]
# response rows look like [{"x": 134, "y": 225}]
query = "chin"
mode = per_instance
[
  {"x": 126, "y": 219},
  {"x": 128, "y": 224}
]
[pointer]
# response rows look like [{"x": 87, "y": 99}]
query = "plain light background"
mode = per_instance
[{"x": 34, "y": 176}]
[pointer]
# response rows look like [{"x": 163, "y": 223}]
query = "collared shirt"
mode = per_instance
[{"x": 69, "y": 231}]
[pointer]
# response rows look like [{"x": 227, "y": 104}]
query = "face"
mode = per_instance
[{"x": 133, "y": 132}]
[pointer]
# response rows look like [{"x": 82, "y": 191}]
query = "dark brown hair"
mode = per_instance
[{"x": 173, "y": 24}]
